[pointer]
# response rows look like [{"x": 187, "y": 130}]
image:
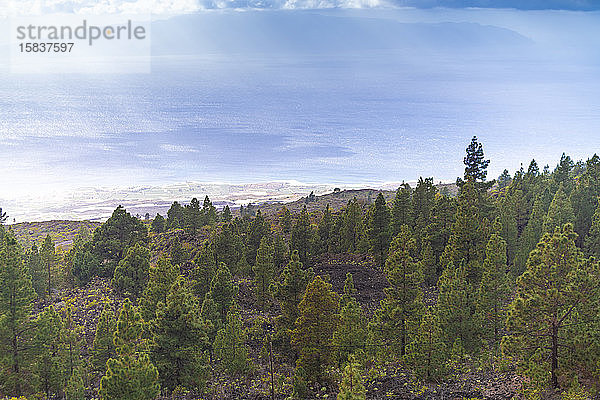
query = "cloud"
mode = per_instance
[
  {"x": 172, "y": 7},
  {"x": 41, "y": 7},
  {"x": 178, "y": 148}
]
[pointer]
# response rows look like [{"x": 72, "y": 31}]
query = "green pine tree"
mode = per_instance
[
  {"x": 426, "y": 353},
  {"x": 592, "y": 241},
  {"x": 205, "y": 267},
  {"x": 16, "y": 301},
  {"x": 493, "y": 293},
  {"x": 75, "y": 389},
  {"x": 317, "y": 321},
  {"x": 301, "y": 236},
  {"x": 401, "y": 209},
  {"x": 72, "y": 342},
  {"x": 352, "y": 387},
  {"x": 456, "y": 308},
  {"x": 264, "y": 270},
  {"x": 530, "y": 237},
  {"x": 179, "y": 340},
  {"x": 112, "y": 239},
  {"x": 560, "y": 211},
  {"x": 48, "y": 365},
  {"x": 230, "y": 343},
  {"x": 35, "y": 266},
  {"x": 468, "y": 238},
  {"x": 398, "y": 316},
  {"x": 48, "y": 255},
  {"x": 161, "y": 277},
  {"x": 379, "y": 230},
  {"x": 557, "y": 286},
  {"x": 223, "y": 290},
  {"x": 289, "y": 289},
  {"x": 158, "y": 224},
  {"x": 350, "y": 229},
  {"x": 351, "y": 332},
  {"x": 326, "y": 230},
  {"x": 131, "y": 275},
  {"x": 131, "y": 375},
  {"x": 285, "y": 220},
  {"x": 103, "y": 347},
  {"x": 226, "y": 216}
]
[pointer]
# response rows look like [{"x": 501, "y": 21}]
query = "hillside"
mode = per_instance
[{"x": 61, "y": 232}]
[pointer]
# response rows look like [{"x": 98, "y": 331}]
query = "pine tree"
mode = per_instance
[
  {"x": 351, "y": 332},
  {"x": 399, "y": 313},
  {"x": 223, "y": 290},
  {"x": 16, "y": 300},
  {"x": 428, "y": 264},
  {"x": 379, "y": 230},
  {"x": 229, "y": 345},
  {"x": 211, "y": 316},
  {"x": 112, "y": 239},
  {"x": 475, "y": 167},
  {"x": 427, "y": 350},
  {"x": 264, "y": 270},
  {"x": 84, "y": 264},
  {"x": 192, "y": 216},
  {"x": 179, "y": 254},
  {"x": 493, "y": 293},
  {"x": 562, "y": 173},
  {"x": 103, "y": 347},
  {"x": 423, "y": 202},
  {"x": 131, "y": 275},
  {"x": 280, "y": 252},
  {"x": 205, "y": 267},
  {"x": 258, "y": 228},
  {"x": 289, "y": 289},
  {"x": 75, "y": 389},
  {"x": 209, "y": 212},
  {"x": 584, "y": 197},
  {"x": 556, "y": 287},
  {"x": 158, "y": 224},
  {"x": 301, "y": 236},
  {"x": 350, "y": 226},
  {"x": 352, "y": 387},
  {"x": 175, "y": 216},
  {"x": 560, "y": 211},
  {"x": 227, "y": 245},
  {"x": 468, "y": 238},
  {"x": 35, "y": 266},
  {"x": 161, "y": 277},
  {"x": 504, "y": 179},
  {"x": 285, "y": 220},
  {"x": 326, "y": 230},
  {"x": 226, "y": 216},
  {"x": 316, "y": 323},
  {"x": 456, "y": 308},
  {"x": 592, "y": 241},
  {"x": 179, "y": 340},
  {"x": 71, "y": 340},
  {"x": 48, "y": 365},
  {"x": 48, "y": 255},
  {"x": 130, "y": 375},
  {"x": 401, "y": 209},
  {"x": 531, "y": 236}
]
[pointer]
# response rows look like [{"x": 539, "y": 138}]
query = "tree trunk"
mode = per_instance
[{"x": 554, "y": 355}]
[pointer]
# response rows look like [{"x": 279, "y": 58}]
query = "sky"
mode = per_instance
[
  {"x": 182, "y": 6},
  {"x": 323, "y": 92}
]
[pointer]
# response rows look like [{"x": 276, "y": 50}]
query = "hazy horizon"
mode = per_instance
[{"x": 344, "y": 96}]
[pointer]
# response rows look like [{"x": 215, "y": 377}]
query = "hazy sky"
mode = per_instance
[{"x": 343, "y": 95}]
